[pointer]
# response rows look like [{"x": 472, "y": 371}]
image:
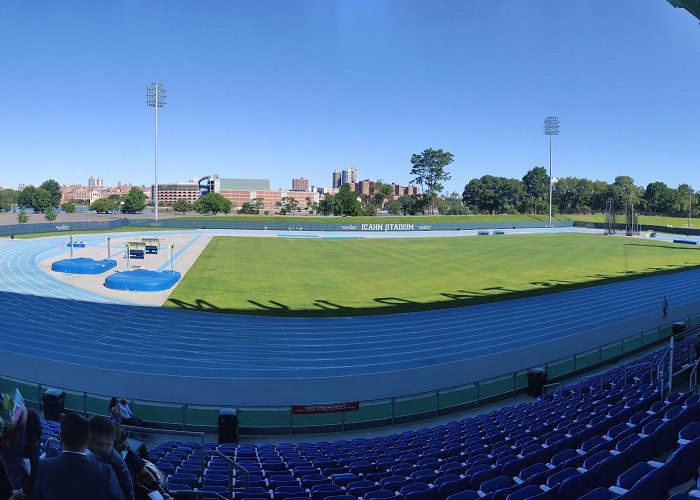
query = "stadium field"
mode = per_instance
[{"x": 346, "y": 277}]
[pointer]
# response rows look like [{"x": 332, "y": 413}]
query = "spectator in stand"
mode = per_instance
[
  {"x": 114, "y": 413},
  {"x": 73, "y": 475},
  {"x": 30, "y": 457},
  {"x": 5, "y": 486},
  {"x": 142, "y": 476},
  {"x": 101, "y": 446},
  {"x": 127, "y": 415}
]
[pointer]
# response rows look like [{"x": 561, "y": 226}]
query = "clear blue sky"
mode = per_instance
[{"x": 280, "y": 89}]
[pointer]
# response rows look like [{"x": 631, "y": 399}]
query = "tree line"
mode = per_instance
[{"x": 497, "y": 195}]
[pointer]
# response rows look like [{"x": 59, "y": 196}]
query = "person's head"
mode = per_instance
[
  {"x": 121, "y": 444},
  {"x": 32, "y": 434},
  {"x": 102, "y": 435},
  {"x": 74, "y": 432},
  {"x": 112, "y": 403},
  {"x": 142, "y": 451},
  {"x": 122, "y": 401}
]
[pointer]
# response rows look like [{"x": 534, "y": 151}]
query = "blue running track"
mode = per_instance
[{"x": 55, "y": 333}]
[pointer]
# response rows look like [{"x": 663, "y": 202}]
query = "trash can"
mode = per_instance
[
  {"x": 228, "y": 425},
  {"x": 536, "y": 380},
  {"x": 678, "y": 327},
  {"x": 54, "y": 401}
]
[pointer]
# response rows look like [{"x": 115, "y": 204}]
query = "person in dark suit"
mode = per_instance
[
  {"x": 32, "y": 449},
  {"x": 73, "y": 475}
]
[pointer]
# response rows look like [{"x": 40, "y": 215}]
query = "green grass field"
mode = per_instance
[
  {"x": 652, "y": 220},
  {"x": 394, "y": 219},
  {"x": 338, "y": 277},
  {"x": 123, "y": 229}
]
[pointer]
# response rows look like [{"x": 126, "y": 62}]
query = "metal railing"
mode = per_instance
[
  {"x": 373, "y": 413},
  {"x": 693, "y": 380}
]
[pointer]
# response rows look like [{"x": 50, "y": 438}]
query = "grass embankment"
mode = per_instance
[
  {"x": 123, "y": 229},
  {"x": 339, "y": 277}
]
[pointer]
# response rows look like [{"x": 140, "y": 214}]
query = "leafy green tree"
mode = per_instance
[
  {"x": 310, "y": 205},
  {"x": 42, "y": 200},
  {"x": 536, "y": 182},
  {"x": 25, "y": 197},
  {"x": 68, "y": 207},
  {"x": 252, "y": 207},
  {"x": 182, "y": 206},
  {"x": 393, "y": 207},
  {"x": 22, "y": 217},
  {"x": 429, "y": 170},
  {"x": 326, "y": 206},
  {"x": 381, "y": 192},
  {"x": 660, "y": 198},
  {"x": 134, "y": 201},
  {"x": 213, "y": 203},
  {"x": 347, "y": 203},
  {"x": 8, "y": 197},
  {"x": 683, "y": 195},
  {"x": 54, "y": 188},
  {"x": 103, "y": 206},
  {"x": 50, "y": 215},
  {"x": 288, "y": 205}
]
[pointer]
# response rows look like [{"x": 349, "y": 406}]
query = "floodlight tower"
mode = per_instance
[
  {"x": 551, "y": 127},
  {"x": 155, "y": 98}
]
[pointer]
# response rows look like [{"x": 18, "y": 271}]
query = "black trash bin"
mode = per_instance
[
  {"x": 54, "y": 401},
  {"x": 536, "y": 380},
  {"x": 228, "y": 425}
]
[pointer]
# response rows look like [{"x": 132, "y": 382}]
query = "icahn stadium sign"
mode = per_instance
[{"x": 385, "y": 227}]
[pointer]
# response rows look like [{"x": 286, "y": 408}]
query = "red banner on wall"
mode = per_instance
[{"x": 325, "y": 408}]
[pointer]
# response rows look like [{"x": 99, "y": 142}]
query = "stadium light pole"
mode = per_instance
[
  {"x": 551, "y": 127},
  {"x": 155, "y": 98}
]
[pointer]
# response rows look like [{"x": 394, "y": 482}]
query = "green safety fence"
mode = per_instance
[{"x": 374, "y": 413}]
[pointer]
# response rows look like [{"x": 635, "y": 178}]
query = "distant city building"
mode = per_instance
[
  {"x": 300, "y": 184},
  {"x": 91, "y": 183},
  {"x": 170, "y": 193},
  {"x": 363, "y": 187},
  {"x": 240, "y": 191},
  {"x": 337, "y": 179},
  {"x": 20, "y": 187},
  {"x": 76, "y": 192},
  {"x": 349, "y": 175},
  {"x": 99, "y": 182}
]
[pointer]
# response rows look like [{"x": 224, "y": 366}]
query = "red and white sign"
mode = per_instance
[{"x": 325, "y": 408}]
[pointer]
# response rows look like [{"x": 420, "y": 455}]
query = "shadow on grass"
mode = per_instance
[{"x": 392, "y": 305}]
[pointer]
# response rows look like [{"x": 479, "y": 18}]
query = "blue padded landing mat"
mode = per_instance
[
  {"x": 141, "y": 280},
  {"x": 83, "y": 265}
]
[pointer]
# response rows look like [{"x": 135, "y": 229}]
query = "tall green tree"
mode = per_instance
[
  {"x": 252, "y": 207},
  {"x": 659, "y": 197},
  {"x": 213, "y": 203},
  {"x": 134, "y": 201},
  {"x": 536, "y": 182},
  {"x": 54, "y": 188},
  {"x": 182, "y": 206},
  {"x": 103, "y": 206},
  {"x": 429, "y": 171},
  {"x": 42, "y": 200},
  {"x": 25, "y": 197},
  {"x": 287, "y": 205},
  {"x": 68, "y": 207},
  {"x": 8, "y": 197},
  {"x": 347, "y": 202},
  {"x": 50, "y": 215}
]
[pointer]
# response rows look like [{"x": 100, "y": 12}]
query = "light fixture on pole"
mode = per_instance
[
  {"x": 155, "y": 98},
  {"x": 551, "y": 127}
]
